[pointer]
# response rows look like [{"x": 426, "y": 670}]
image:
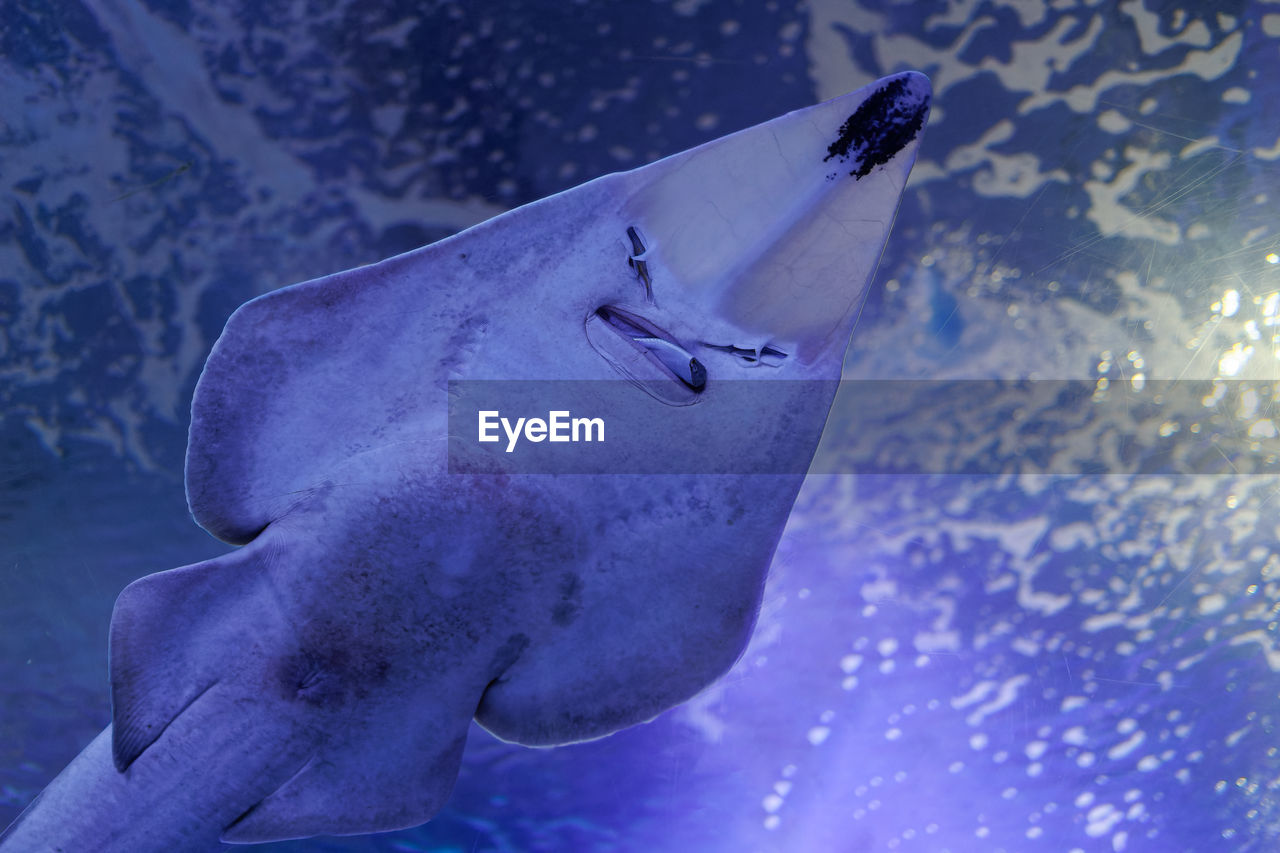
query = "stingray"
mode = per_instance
[{"x": 397, "y": 577}]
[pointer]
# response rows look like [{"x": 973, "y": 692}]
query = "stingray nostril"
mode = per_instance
[
  {"x": 678, "y": 360},
  {"x": 638, "y": 262},
  {"x": 625, "y": 323},
  {"x": 646, "y": 355},
  {"x": 764, "y": 355},
  {"x": 637, "y": 245},
  {"x": 658, "y": 344}
]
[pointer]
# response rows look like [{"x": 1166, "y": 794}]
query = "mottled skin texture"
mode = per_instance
[{"x": 321, "y": 679}]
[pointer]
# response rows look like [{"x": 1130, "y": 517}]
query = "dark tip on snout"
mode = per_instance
[{"x": 885, "y": 123}]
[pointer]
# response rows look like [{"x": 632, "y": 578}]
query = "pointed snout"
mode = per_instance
[{"x": 771, "y": 235}]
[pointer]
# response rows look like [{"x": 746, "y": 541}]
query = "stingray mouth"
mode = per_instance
[{"x": 646, "y": 355}]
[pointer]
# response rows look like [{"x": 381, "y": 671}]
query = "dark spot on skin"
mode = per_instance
[
  {"x": 882, "y": 126},
  {"x": 570, "y": 602},
  {"x": 330, "y": 677},
  {"x": 508, "y": 653},
  {"x": 306, "y": 677}
]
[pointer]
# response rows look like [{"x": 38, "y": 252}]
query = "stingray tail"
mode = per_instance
[
  {"x": 179, "y": 795},
  {"x": 190, "y": 749}
]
